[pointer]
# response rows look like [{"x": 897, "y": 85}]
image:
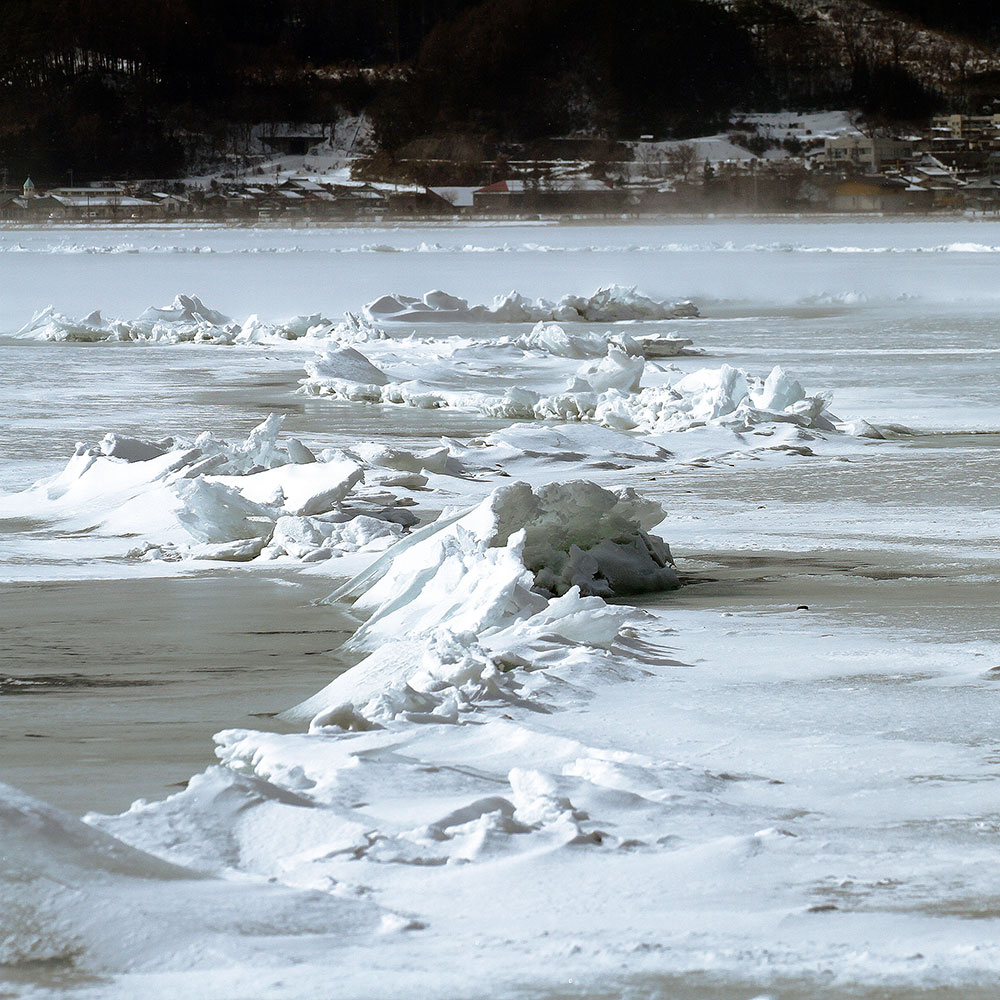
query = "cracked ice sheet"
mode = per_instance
[
  {"x": 630, "y": 825},
  {"x": 606, "y": 812},
  {"x": 645, "y": 799}
]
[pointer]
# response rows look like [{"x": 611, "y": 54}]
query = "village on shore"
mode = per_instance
[{"x": 811, "y": 163}]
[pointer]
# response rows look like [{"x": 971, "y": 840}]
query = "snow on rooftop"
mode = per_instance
[
  {"x": 459, "y": 197},
  {"x": 102, "y": 200},
  {"x": 802, "y": 125}
]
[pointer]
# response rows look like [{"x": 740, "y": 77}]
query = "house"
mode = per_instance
[
  {"x": 110, "y": 207},
  {"x": 458, "y": 196},
  {"x": 873, "y": 193},
  {"x": 942, "y": 185},
  {"x": 554, "y": 196},
  {"x": 226, "y": 203},
  {"x": 301, "y": 185},
  {"x": 357, "y": 198},
  {"x": 12, "y": 205},
  {"x": 170, "y": 205},
  {"x": 46, "y": 207},
  {"x": 26, "y": 205},
  {"x": 867, "y": 154},
  {"x": 414, "y": 199},
  {"x": 982, "y": 194},
  {"x": 106, "y": 203}
]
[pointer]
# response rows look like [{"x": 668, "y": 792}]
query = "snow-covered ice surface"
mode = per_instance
[{"x": 670, "y": 674}]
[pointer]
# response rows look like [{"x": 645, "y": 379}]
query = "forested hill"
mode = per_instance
[
  {"x": 977, "y": 20},
  {"x": 117, "y": 87},
  {"x": 107, "y": 86}
]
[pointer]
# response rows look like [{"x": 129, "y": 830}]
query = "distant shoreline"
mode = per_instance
[{"x": 493, "y": 221}]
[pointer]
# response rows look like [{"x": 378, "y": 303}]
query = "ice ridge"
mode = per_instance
[{"x": 607, "y": 305}]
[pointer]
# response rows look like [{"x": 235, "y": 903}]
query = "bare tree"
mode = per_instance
[
  {"x": 681, "y": 160},
  {"x": 652, "y": 161},
  {"x": 899, "y": 37}
]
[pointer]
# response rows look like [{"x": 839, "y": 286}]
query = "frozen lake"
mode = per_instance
[
  {"x": 763, "y": 265},
  {"x": 817, "y": 711}
]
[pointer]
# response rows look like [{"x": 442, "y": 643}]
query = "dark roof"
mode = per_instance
[{"x": 878, "y": 181}]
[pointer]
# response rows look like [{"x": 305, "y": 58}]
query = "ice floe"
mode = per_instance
[
  {"x": 550, "y": 338},
  {"x": 188, "y": 320}
]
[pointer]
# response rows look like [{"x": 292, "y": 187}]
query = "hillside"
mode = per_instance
[
  {"x": 156, "y": 87},
  {"x": 891, "y": 54}
]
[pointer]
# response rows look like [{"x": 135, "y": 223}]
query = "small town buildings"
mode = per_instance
[
  {"x": 848, "y": 173},
  {"x": 967, "y": 126}
]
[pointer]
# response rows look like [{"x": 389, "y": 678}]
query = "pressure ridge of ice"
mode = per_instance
[
  {"x": 473, "y": 590},
  {"x": 498, "y": 744},
  {"x": 495, "y": 604},
  {"x": 606, "y": 391},
  {"x": 209, "y": 499},
  {"x": 188, "y": 320},
  {"x": 529, "y": 247},
  {"x": 550, "y": 338},
  {"x": 488, "y": 600},
  {"x": 607, "y": 305},
  {"x": 272, "y": 498}
]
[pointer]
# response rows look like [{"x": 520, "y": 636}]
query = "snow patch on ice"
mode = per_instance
[{"x": 70, "y": 893}]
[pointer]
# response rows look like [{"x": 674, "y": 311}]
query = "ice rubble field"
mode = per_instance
[{"x": 537, "y": 779}]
